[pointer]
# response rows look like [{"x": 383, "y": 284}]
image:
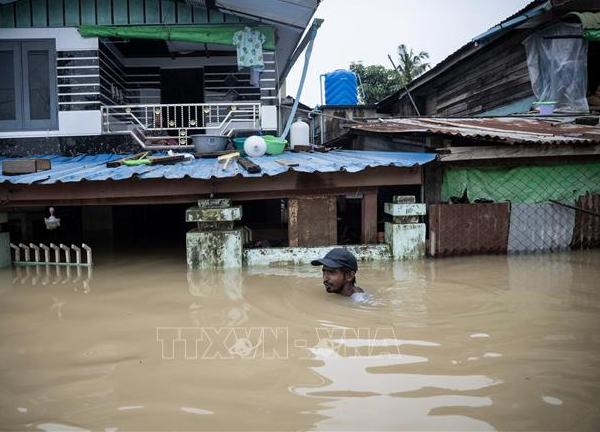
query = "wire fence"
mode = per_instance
[{"x": 524, "y": 209}]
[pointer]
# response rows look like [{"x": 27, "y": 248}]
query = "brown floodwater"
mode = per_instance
[{"x": 473, "y": 343}]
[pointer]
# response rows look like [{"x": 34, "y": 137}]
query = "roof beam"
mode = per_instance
[{"x": 155, "y": 191}]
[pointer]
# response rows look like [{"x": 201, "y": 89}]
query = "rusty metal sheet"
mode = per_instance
[
  {"x": 312, "y": 221},
  {"x": 508, "y": 130},
  {"x": 468, "y": 229},
  {"x": 586, "y": 233}
]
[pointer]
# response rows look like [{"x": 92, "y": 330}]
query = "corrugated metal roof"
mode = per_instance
[
  {"x": 509, "y": 130},
  {"x": 93, "y": 167}
]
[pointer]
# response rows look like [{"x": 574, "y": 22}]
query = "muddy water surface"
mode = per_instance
[{"x": 484, "y": 343}]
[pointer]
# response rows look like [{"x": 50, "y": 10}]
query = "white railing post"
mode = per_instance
[
  {"x": 26, "y": 250},
  {"x": 88, "y": 251},
  {"x": 46, "y": 250},
  {"x": 56, "y": 250},
  {"x": 17, "y": 250},
  {"x": 67, "y": 252},
  {"x": 77, "y": 250},
  {"x": 36, "y": 252}
]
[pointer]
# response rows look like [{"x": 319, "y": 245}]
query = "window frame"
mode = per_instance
[
  {"x": 21, "y": 49},
  {"x": 15, "y": 47}
]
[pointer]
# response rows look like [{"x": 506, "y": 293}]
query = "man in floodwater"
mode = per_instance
[{"x": 339, "y": 274}]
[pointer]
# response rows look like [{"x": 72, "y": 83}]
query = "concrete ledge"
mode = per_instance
[
  {"x": 304, "y": 255},
  {"x": 405, "y": 209},
  {"x": 214, "y": 203},
  {"x": 200, "y": 214}
]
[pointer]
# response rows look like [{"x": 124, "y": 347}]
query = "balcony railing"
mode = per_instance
[{"x": 173, "y": 123}]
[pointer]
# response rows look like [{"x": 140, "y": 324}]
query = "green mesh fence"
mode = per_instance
[{"x": 523, "y": 184}]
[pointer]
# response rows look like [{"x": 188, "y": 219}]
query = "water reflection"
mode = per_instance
[
  {"x": 224, "y": 287},
  {"x": 76, "y": 276},
  {"x": 358, "y": 389}
]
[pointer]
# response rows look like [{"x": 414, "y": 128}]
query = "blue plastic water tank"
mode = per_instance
[{"x": 341, "y": 88}]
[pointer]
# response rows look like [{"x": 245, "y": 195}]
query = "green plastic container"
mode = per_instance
[
  {"x": 275, "y": 145},
  {"x": 238, "y": 143}
]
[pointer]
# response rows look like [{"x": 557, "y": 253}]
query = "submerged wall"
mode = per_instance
[{"x": 516, "y": 209}]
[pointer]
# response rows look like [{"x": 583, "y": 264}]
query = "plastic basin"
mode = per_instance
[
  {"x": 275, "y": 145},
  {"x": 545, "y": 107},
  {"x": 238, "y": 144}
]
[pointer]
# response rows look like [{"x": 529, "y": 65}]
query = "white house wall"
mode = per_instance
[
  {"x": 77, "y": 81},
  {"x": 67, "y": 39},
  {"x": 71, "y": 123}
]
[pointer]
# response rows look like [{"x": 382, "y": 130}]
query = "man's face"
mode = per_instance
[{"x": 335, "y": 279}]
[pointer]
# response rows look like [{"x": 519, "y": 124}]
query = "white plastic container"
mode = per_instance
[
  {"x": 299, "y": 134},
  {"x": 255, "y": 146}
]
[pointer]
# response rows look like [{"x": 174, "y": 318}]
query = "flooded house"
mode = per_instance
[
  {"x": 513, "y": 116},
  {"x": 102, "y": 100},
  {"x": 105, "y": 120}
]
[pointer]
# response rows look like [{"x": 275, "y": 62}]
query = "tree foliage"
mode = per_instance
[
  {"x": 411, "y": 65},
  {"x": 376, "y": 82}
]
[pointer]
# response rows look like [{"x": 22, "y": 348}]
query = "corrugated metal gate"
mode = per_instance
[{"x": 468, "y": 229}]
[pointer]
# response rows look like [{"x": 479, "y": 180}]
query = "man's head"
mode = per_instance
[{"x": 339, "y": 269}]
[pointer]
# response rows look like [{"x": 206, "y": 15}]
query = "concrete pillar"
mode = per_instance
[
  {"x": 215, "y": 243},
  {"x": 369, "y": 218},
  {"x": 405, "y": 235},
  {"x": 5, "y": 260}
]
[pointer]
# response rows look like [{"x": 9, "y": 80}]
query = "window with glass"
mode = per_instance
[{"x": 28, "y": 99}]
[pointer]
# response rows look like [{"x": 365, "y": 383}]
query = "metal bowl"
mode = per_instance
[{"x": 209, "y": 143}]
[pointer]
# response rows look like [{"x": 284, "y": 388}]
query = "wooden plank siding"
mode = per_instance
[
  {"x": 73, "y": 13},
  {"x": 488, "y": 79}
]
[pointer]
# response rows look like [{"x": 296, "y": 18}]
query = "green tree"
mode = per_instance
[
  {"x": 376, "y": 82},
  {"x": 411, "y": 64}
]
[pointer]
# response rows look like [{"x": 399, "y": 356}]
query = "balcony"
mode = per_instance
[{"x": 156, "y": 126}]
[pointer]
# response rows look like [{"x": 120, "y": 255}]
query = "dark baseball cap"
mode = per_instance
[{"x": 337, "y": 258}]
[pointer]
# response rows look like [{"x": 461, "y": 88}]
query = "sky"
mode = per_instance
[{"x": 369, "y": 30}]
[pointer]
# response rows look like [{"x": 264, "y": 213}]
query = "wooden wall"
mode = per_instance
[{"x": 492, "y": 77}]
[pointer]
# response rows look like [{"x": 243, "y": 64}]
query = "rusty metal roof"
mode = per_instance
[{"x": 508, "y": 130}]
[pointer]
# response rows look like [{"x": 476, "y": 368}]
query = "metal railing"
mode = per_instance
[
  {"x": 155, "y": 121},
  {"x": 161, "y": 117}
]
